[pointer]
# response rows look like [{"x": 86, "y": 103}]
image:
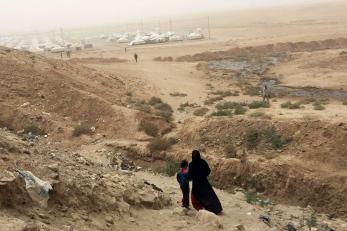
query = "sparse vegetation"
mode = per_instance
[
  {"x": 253, "y": 137},
  {"x": 81, "y": 129},
  {"x": 177, "y": 94},
  {"x": 251, "y": 197},
  {"x": 183, "y": 106},
  {"x": 222, "y": 93},
  {"x": 273, "y": 138},
  {"x": 212, "y": 100},
  {"x": 259, "y": 114},
  {"x": 291, "y": 105},
  {"x": 311, "y": 221},
  {"x": 258, "y": 104},
  {"x": 149, "y": 128},
  {"x": 154, "y": 100},
  {"x": 171, "y": 167},
  {"x": 251, "y": 90},
  {"x": 318, "y": 107},
  {"x": 229, "y": 105},
  {"x": 172, "y": 140},
  {"x": 200, "y": 111},
  {"x": 159, "y": 144},
  {"x": 34, "y": 129},
  {"x": 223, "y": 112},
  {"x": 230, "y": 151},
  {"x": 344, "y": 102},
  {"x": 239, "y": 110},
  {"x": 162, "y": 109}
]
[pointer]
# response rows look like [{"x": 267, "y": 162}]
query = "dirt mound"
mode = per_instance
[
  {"x": 83, "y": 192},
  {"x": 53, "y": 93},
  {"x": 339, "y": 43},
  {"x": 93, "y": 60},
  {"x": 312, "y": 159}
]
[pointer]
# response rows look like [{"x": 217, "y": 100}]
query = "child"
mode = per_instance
[{"x": 184, "y": 183}]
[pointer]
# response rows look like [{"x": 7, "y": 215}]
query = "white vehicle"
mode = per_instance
[
  {"x": 103, "y": 36},
  {"x": 137, "y": 42},
  {"x": 175, "y": 38},
  {"x": 195, "y": 36},
  {"x": 123, "y": 40},
  {"x": 58, "y": 49}
]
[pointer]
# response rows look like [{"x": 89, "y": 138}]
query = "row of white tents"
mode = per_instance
[
  {"x": 33, "y": 44},
  {"x": 140, "y": 38}
]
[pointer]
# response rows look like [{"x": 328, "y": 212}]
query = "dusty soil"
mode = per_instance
[{"x": 295, "y": 157}]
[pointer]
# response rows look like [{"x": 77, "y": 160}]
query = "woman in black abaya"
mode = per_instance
[{"x": 203, "y": 195}]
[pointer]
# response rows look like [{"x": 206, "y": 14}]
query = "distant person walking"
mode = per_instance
[
  {"x": 136, "y": 57},
  {"x": 125, "y": 50},
  {"x": 266, "y": 93}
]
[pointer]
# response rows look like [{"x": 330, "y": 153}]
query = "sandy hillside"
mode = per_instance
[{"x": 107, "y": 132}]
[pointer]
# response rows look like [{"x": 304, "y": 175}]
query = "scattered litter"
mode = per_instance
[
  {"x": 291, "y": 227},
  {"x": 38, "y": 189},
  {"x": 266, "y": 220},
  {"x": 156, "y": 188}
]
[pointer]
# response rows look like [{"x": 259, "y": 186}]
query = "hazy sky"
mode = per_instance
[{"x": 28, "y": 15}]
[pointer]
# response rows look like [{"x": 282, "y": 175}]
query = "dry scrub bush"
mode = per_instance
[
  {"x": 200, "y": 111},
  {"x": 149, "y": 128},
  {"x": 34, "y": 129},
  {"x": 81, "y": 129}
]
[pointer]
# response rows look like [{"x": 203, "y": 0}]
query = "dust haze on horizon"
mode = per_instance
[{"x": 39, "y": 15}]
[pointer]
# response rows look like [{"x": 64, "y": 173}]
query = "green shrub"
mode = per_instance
[
  {"x": 154, "y": 100},
  {"x": 273, "y": 138},
  {"x": 251, "y": 90},
  {"x": 222, "y": 113},
  {"x": 344, "y": 102},
  {"x": 251, "y": 197},
  {"x": 239, "y": 110},
  {"x": 258, "y": 104},
  {"x": 177, "y": 94},
  {"x": 291, "y": 105},
  {"x": 259, "y": 114},
  {"x": 200, "y": 111},
  {"x": 171, "y": 167},
  {"x": 223, "y": 93},
  {"x": 82, "y": 129},
  {"x": 212, "y": 100},
  {"x": 163, "y": 107},
  {"x": 159, "y": 144},
  {"x": 252, "y": 138},
  {"x": 318, "y": 107},
  {"x": 35, "y": 130},
  {"x": 149, "y": 128},
  {"x": 311, "y": 221},
  {"x": 172, "y": 140},
  {"x": 228, "y": 105},
  {"x": 230, "y": 151},
  {"x": 143, "y": 107}
]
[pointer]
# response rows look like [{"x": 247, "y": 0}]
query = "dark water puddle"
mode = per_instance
[
  {"x": 246, "y": 68},
  {"x": 310, "y": 92}
]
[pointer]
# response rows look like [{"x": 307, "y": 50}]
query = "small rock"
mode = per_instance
[
  {"x": 42, "y": 215},
  {"x": 240, "y": 228},
  {"x": 54, "y": 167},
  {"x": 109, "y": 220},
  {"x": 25, "y": 151}
]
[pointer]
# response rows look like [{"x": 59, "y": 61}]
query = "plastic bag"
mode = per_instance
[{"x": 37, "y": 189}]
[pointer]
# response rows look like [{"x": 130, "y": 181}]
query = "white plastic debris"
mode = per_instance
[{"x": 37, "y": 189}]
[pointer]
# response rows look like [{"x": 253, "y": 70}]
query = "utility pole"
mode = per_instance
[
  {"x": 170, "y": 25},
  {"x": 208, "y": 27}
]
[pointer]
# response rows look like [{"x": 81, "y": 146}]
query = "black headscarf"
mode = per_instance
[{"x": 196, "y": 156}]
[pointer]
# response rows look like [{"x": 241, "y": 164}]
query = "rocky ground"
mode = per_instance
[{"x": 91, "y": 128}]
